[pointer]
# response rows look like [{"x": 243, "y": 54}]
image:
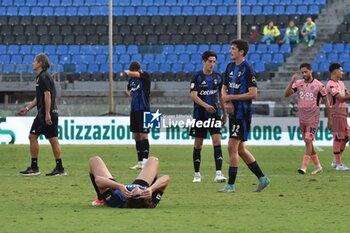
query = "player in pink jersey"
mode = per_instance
[
  {"x": 337, "y": 96},
  {"x": 309, "y": 91}
]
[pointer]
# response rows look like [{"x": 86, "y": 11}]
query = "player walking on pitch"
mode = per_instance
[
  {"x": 46, "y": 120},
  {"x": 309, "y": 91},
  {"x": 239, "y": 90},
  {"x": 337, "y": 96}
]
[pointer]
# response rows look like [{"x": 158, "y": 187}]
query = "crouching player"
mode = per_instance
[{"x": 144, "y": 192}]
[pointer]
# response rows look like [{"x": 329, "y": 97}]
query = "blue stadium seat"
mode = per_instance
[
  {"x": 184, "y": 58},
  {"x": 7, "y": 3},
  {"x": 273, "y": 48},
  {"x": 152, "y": 67},
  {"x": 278, "y": 58},
  {"x": 171, "y": 2},
  {"x": 119, "y": 49},
  {"x": 13, "y": 49},
  {"x": 262, "y": 48},
  {"x": 3, "y": 49},
  {"x": 66, "y": 3},
  {"x": 194, "y": 2},
  {"x": 47, "y": 11},
  {"x": 309, "y": 2},
  {"x": 72, "y": 11},
  {"x": 221, "y": 58},
  {"x": 92, "y": 68},
  {"x": 12, "y": 11},
  {"x": 164, "y": 67},
  {"x": 148, "y": 58},
  {"x": 251, "y": 48},
  {"x": 332, "y": 57},
  {"x": 132, "y": 49},
  {"x": 224, "y": 10},
  {"x": 346, "y": 66},
  {"x": 338, "y": 47},
  {"x": 152, "y": 10},
  {"x": 141, "y": 10},
  {"x": 53, "y": 59},
  {"x": 159, "y": 58},
  {"x": 285, "y": 49},
  {"x": 199, "y": 10},
  {"x": 313, "y": 10},
  {"x": 60, "y": 11},
  {"x": 147, "y": 2},
  {"x": 65, "y": 59},
  {"x": 296, "y": 2},
  {"x": 176, "y": 67},
  {"x": 291, "y": 10},
  {"x": 36, "y": 11},
  {"x": 74, "y": 49},
  {"x": 179, "y": 49},
  {"x": 268, "y": 10},
  {"x": 187, "y": 10},
  {"x": 62, "y": 49},
  {"x": 188, "y": 67},
  {"x": 321, "y": 57},
  {"x": 129, "y": 10},
  {"x": 314, "y": 66},
  {"x": 347, "y": 47},
  {"x": 28, "y": 59},
  {"x": 101, "y": 58},
  {"x": 79, "y": 68},
  {"x": 164, "y": 10},
  {"x": 215, "y": 47},
  {"x": 77, "y": 58},
  {"x": 16, "y": 59},
  {"x": 78, "y": 2},
  {"x": 24, "y": 10},
  {"x": 136, "y": 57},
  {"x": 323, "y": 67},
  {"x": 256, "y": 10},
  {"x": 211, "y": 10},
  {"x": 136, "y": 2},
  {"x": 9, "y": 68},
  {"x": 202, "y": 48},
  {"x": 259, "y": 67},
  {"x": 4, "y": 59},
  {"x": 49, "y": 49},
  {"x": 245, "y": 10},
  {"x": 254, "y": 58},
  {"x": 327, "y": 47},
  {"x": 344, "y": 57},
  {"x": 191, "y": 48},
  {"x": 104, "y": 68},
  {"x": 124, "y": 58},
  {"x": 278, "y": 10},
  {"x": 25, "y": 49},
  {"x": 171, "y": 58},
  {"x": 83, "y": 10},
  {"x": 182, "y": 2},
  {"x": 302, "y": 10},
  {"x": 266, "y": 58},
  {"x": 175, "y": 10}
]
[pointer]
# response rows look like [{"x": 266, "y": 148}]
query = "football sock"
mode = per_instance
[
  {"x": 315, "y": 159},
  {"x": 196, "y": 159},
  {"x": 232, "y": 174},
  {"x": 218, "y": 157},
  {"x": 145, "y": 148},
  {"x": 338, "y": 158},
  {"x": 254, "y": 167},
  {"x": 59, "y": 163},
  {"x": 336, "y": 146},
  {"x": 306, "y": 161},
  {"x": 34, "y": 163},
  {"x": 138, "y": 150},
  {"x": 343, "y": 145}
]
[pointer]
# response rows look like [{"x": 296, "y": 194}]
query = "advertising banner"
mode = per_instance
[{"x": 116, "y": 130}]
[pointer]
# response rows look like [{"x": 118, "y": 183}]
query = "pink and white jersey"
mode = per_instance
[
  {"x": 336, "y": 88},
  {"x": 309, "y": 95}
]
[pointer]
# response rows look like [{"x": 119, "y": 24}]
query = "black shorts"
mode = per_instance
[
  {"x": 136, "y": 122},
  {"x": 40, "y": 127},
  {"x": 239, "y": 128},
  {"x": 202, "y": 132}
]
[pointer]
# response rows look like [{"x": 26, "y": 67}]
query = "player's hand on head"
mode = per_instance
[
  {"x": 294, "y": 78},
  {"x": 146, "y": 194},
  {"x": 126, "y": 193}
]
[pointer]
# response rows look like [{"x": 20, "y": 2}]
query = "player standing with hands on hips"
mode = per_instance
[
  {"x": 309, "y": 91},
  {"x": 46, "y": 120},
  {"x": 239, "y": 90}
]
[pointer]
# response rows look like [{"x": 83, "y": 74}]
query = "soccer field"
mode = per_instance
[{"x": 293, "y": 202}]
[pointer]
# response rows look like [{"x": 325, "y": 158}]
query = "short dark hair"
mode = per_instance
[
  {"x": 138, "y": 203},
  {"x": 43, "y": 60},
  {"x": 241, "y": 45},
  {"x": 334, "y": 66},
  {"x": 135, "y": 66},
  {"x": 207, "y": 54},
  {"x": 305, "y": 65}
]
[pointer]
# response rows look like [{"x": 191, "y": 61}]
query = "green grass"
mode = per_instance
[{"x": 293, "y": 202}]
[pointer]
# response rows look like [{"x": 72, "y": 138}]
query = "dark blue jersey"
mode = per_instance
[
  {"x": 208, "y": 88},
  {"x": 238, "y": 80},
  {"x": 140, "y": 89}
]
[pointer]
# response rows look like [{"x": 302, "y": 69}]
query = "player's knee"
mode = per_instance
[
  {"x": 32, "y": 137},
  {"x": 153, "y": 159}
]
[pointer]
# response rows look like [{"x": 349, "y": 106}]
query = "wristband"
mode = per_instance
[{"x": 27, "y": 109}]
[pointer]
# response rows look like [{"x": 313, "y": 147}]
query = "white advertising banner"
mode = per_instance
[{"x": 116, "y": 130}]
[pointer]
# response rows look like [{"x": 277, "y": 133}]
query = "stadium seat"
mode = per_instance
[
  {"x": 346, "y": 66},
  {"x": 261, "y": 48},
  {"x": 332, "y": 57},
  {"x": 344, "y": 57},
  {"x": 338, "y": 47},
  {"x": 176, "y": 67},
  {"x": 13, "y": 49},
  {"x": 4, "y": 59},
  {"x": 327, "y": 47},
  {"x": 278, "y": 58},
  {"x": 259, "y": 67}
]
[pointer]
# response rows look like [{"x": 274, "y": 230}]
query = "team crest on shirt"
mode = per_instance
[
  {"x": 312, "y": 87},
  {"x": 239, "y": 74},
  {"x": 215, "y": 82},
  {"x": 231, "y": 74}
]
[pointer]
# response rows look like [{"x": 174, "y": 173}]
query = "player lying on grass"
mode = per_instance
[{"x": 145, "y": 192}]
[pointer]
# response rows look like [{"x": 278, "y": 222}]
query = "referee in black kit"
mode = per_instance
[{"x": 46, "y": 120}]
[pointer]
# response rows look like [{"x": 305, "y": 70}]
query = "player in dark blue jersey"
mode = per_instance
[
  {"x": 139, "y": 88},
  {"x": 206, "y": 95},
  {"x": 145, "y": 192},
  {"x": 46, "y": 120},
  {"x": 239, "y": 90}
]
